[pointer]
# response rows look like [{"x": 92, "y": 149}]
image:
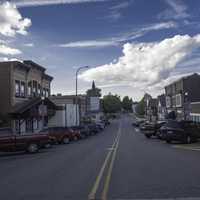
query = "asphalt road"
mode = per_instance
[{"x": 119, "y": 163}]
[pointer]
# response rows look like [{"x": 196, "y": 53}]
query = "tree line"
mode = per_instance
[{"x": 114, "y": 103}]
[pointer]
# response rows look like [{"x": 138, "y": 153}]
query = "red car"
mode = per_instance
[
  {"x": 30, "y": 142},
  {"x": 61, "y": 135}
]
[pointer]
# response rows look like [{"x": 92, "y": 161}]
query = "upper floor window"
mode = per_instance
[
  {"x": 29, "y": 88},
  {"x": 22, "y": 89},
  {"x": 43, "y": 92},
  {"x": 34, "y": 88},
  {"x": 168, "y": 101},
  {"x": 17, "y": 88},
  {"x": 47, "y": 93},
  {"x": 39, "y": 89},
  {"x": 178, "y": 100}
]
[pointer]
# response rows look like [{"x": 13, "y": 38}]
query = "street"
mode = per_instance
[{"x": 119, "y": 163}]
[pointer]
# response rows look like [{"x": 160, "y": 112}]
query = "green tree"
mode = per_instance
[
  {"x": 111, "y": 103},
  {"x": 127, "y": 104}
]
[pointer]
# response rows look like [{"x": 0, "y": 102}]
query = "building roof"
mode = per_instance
[
  {"x": 183, "y": 78},
  {"x": 33, "y": 64}
]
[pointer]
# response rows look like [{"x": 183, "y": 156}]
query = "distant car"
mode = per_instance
[
  {"x": 93, "y": 128},
  {"x": 84, "y": 130},
  {"x": 137, "y": 122},
  {"x": 58, "y": 134},
  {"x": 28, "y": 142},
  {"x": 106, "y": 122},
  {"x": 183, "y": 131},
  {"x": 152, "y": 129},
  {"x": 101, "y": 125},
  {"x": 143, "y": 125}
]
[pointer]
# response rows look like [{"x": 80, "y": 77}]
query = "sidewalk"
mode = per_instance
[{"x": 192, "y": 147}]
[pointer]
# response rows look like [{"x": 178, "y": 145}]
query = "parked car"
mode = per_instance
[
  {"x": 137, "y": 122},
  {"x": 183, "y": 131},
  {"x": 152, "y": 129},
  {"x": 93, "y": 128},
  {"x": 106, "y": 122},
  {"x": 143, "y": 125},
  {"x": 29, "y": 142},
  {"x": 84, "y": 130},
  {"x": 59, "y": 134},
  {"x": 101, "y": 125}
]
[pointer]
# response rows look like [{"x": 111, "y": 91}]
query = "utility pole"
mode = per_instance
[{"x": 76, "y": 100}]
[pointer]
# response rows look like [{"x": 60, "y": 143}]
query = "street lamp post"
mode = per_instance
[{"x": 77, "y": 71}]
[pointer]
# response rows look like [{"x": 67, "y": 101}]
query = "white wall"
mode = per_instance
[{"x": 65, "y": 117}]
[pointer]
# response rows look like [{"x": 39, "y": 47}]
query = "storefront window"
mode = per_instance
[{"x": 17, "y": 88}]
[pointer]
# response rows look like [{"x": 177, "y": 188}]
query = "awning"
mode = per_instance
[{"x": 30, "y": 108}]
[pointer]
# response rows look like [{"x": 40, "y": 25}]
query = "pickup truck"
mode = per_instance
[{"x": 30, "y": 142}]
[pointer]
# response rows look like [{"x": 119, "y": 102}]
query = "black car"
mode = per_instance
[
  {"x": 93, "y": 128},
  {"x": 182, "y": 131},
  {"x": 152, "y": 129}
]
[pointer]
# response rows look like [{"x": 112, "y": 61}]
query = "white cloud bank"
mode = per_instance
[
  {"x": 5, "y": 50},
  {"x": 11, "y": 21},
  {"x": 136, "y": 33},
  {"x": 145, "y": 64},
  {"x": 31, "y": 3},
  {"x": 177, "y": 10}
]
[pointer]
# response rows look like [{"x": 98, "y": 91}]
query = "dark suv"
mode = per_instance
[
  {"x": 183, "y": 131},
  {"x": 152, "y": 129}
]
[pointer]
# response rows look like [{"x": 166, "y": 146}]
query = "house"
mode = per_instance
[
  {"x": 146, "y": 99},
  {"x": 181, "y": 93},
  {"x": 152, "y": 109},
  {"x": 162, "y": 111},
  {"x": 67, "y": 108},
  {"x": 24, "y": 88}
]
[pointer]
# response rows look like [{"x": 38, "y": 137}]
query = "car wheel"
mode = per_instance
[
  {"x": 168, "y": 141},
  {"x": 32, "y": 148},
  {"x": 148, "y": 136},
  {"x": 75, "y": 138},
  {"x": 65, "y": 140}
]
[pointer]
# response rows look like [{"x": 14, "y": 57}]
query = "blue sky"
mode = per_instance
[{"x": 109, "y": 36}]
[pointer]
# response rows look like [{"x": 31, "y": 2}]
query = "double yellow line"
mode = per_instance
[{"x": 110, "y": 157}]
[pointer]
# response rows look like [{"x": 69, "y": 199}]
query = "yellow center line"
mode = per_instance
[
  {"x": 95, "y": 187},
  {"x": 108, "y": 177}
]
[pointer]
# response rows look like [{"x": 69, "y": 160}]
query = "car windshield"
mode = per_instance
[{"x": 99, "y": 99}]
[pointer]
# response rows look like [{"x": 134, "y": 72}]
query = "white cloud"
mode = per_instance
[
  {"x": 177, "y": 10},
  {"x": 145, "y": 64},
  {"x": 29, "y": 45},
  {"x": 5, "y": 59},
  {"x": 89, "y": 43},
  {"x": 11, "y": 21},
  {"x": 122, "y": 38},
  {"x": 117, "y": 9},
  {"x": 30, "y": 3},
  {"x": 8, "y": 50}
]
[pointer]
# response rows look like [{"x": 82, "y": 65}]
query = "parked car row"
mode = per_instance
[
  {"x": 32, "y": 143},
  {"x": 171, "y": 130}
]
